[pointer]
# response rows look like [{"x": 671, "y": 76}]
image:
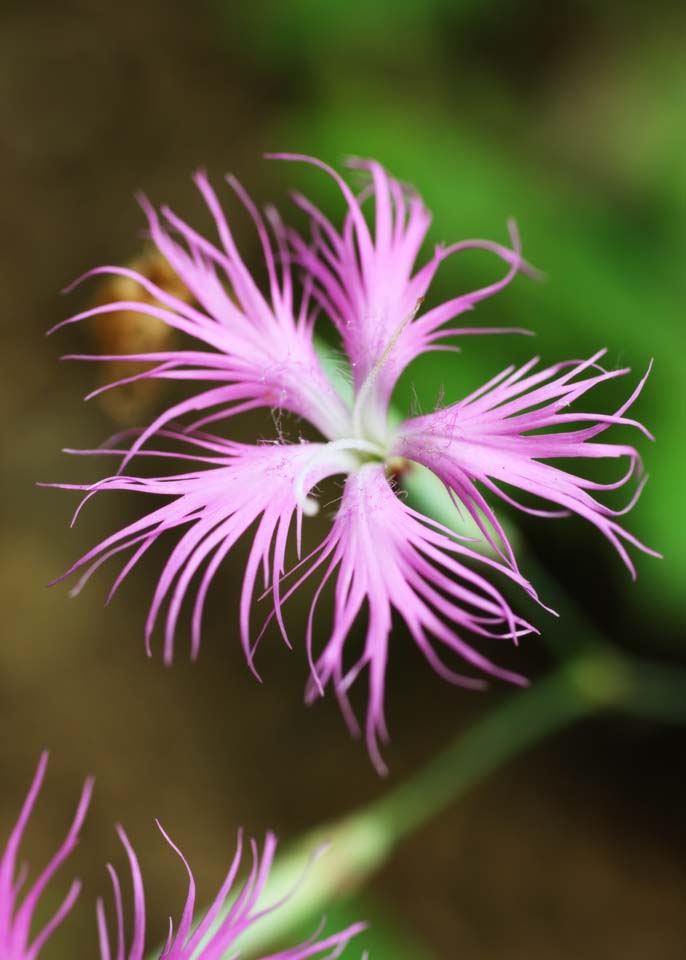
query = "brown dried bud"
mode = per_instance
[{"x": 127, "y": 331}]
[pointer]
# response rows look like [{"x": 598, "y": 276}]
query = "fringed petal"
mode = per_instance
[
  {"x": 259, "y": 345},
  {"x": 16, "y": 913},
  {"x": 211, "y": 936},
  {"x": 366, "y": 280},
  {"x": 210, "y": 509},
  {"x": 383, "y": 554},
  {"x": 503, "y": 433}
]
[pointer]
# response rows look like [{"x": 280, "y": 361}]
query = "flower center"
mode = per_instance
[
  {"x": 366, "y": 439},
  {"x": 359, "y": 451}
]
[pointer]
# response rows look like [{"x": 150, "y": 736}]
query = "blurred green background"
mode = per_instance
[{"x": 568, "y": 117}]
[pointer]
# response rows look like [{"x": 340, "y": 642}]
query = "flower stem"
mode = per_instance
[
  {"x": 523, "y": 719},
  {"x": 362, "y": 842}
]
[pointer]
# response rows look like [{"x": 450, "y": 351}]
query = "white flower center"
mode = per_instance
[{"x": 361, "y": 451}]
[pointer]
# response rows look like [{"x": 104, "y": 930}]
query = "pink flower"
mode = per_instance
[
  {"x": 16, "y": 911},
  {"x": 222, "y": 925},
  {"x": 380, "y": 553}
]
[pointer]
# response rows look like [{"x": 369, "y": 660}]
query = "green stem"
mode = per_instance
[
  {"x": 522, "y": 720},
  {"x": 362, "y": 842}
]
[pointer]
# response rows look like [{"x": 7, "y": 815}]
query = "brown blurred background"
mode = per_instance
[{"x": 573, "y": 121}]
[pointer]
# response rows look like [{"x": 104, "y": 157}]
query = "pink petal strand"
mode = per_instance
[
  {"x": 491, "y": 438},
  {"x": 229, "y": 916},
  {"x": 16, "y": 911}
]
